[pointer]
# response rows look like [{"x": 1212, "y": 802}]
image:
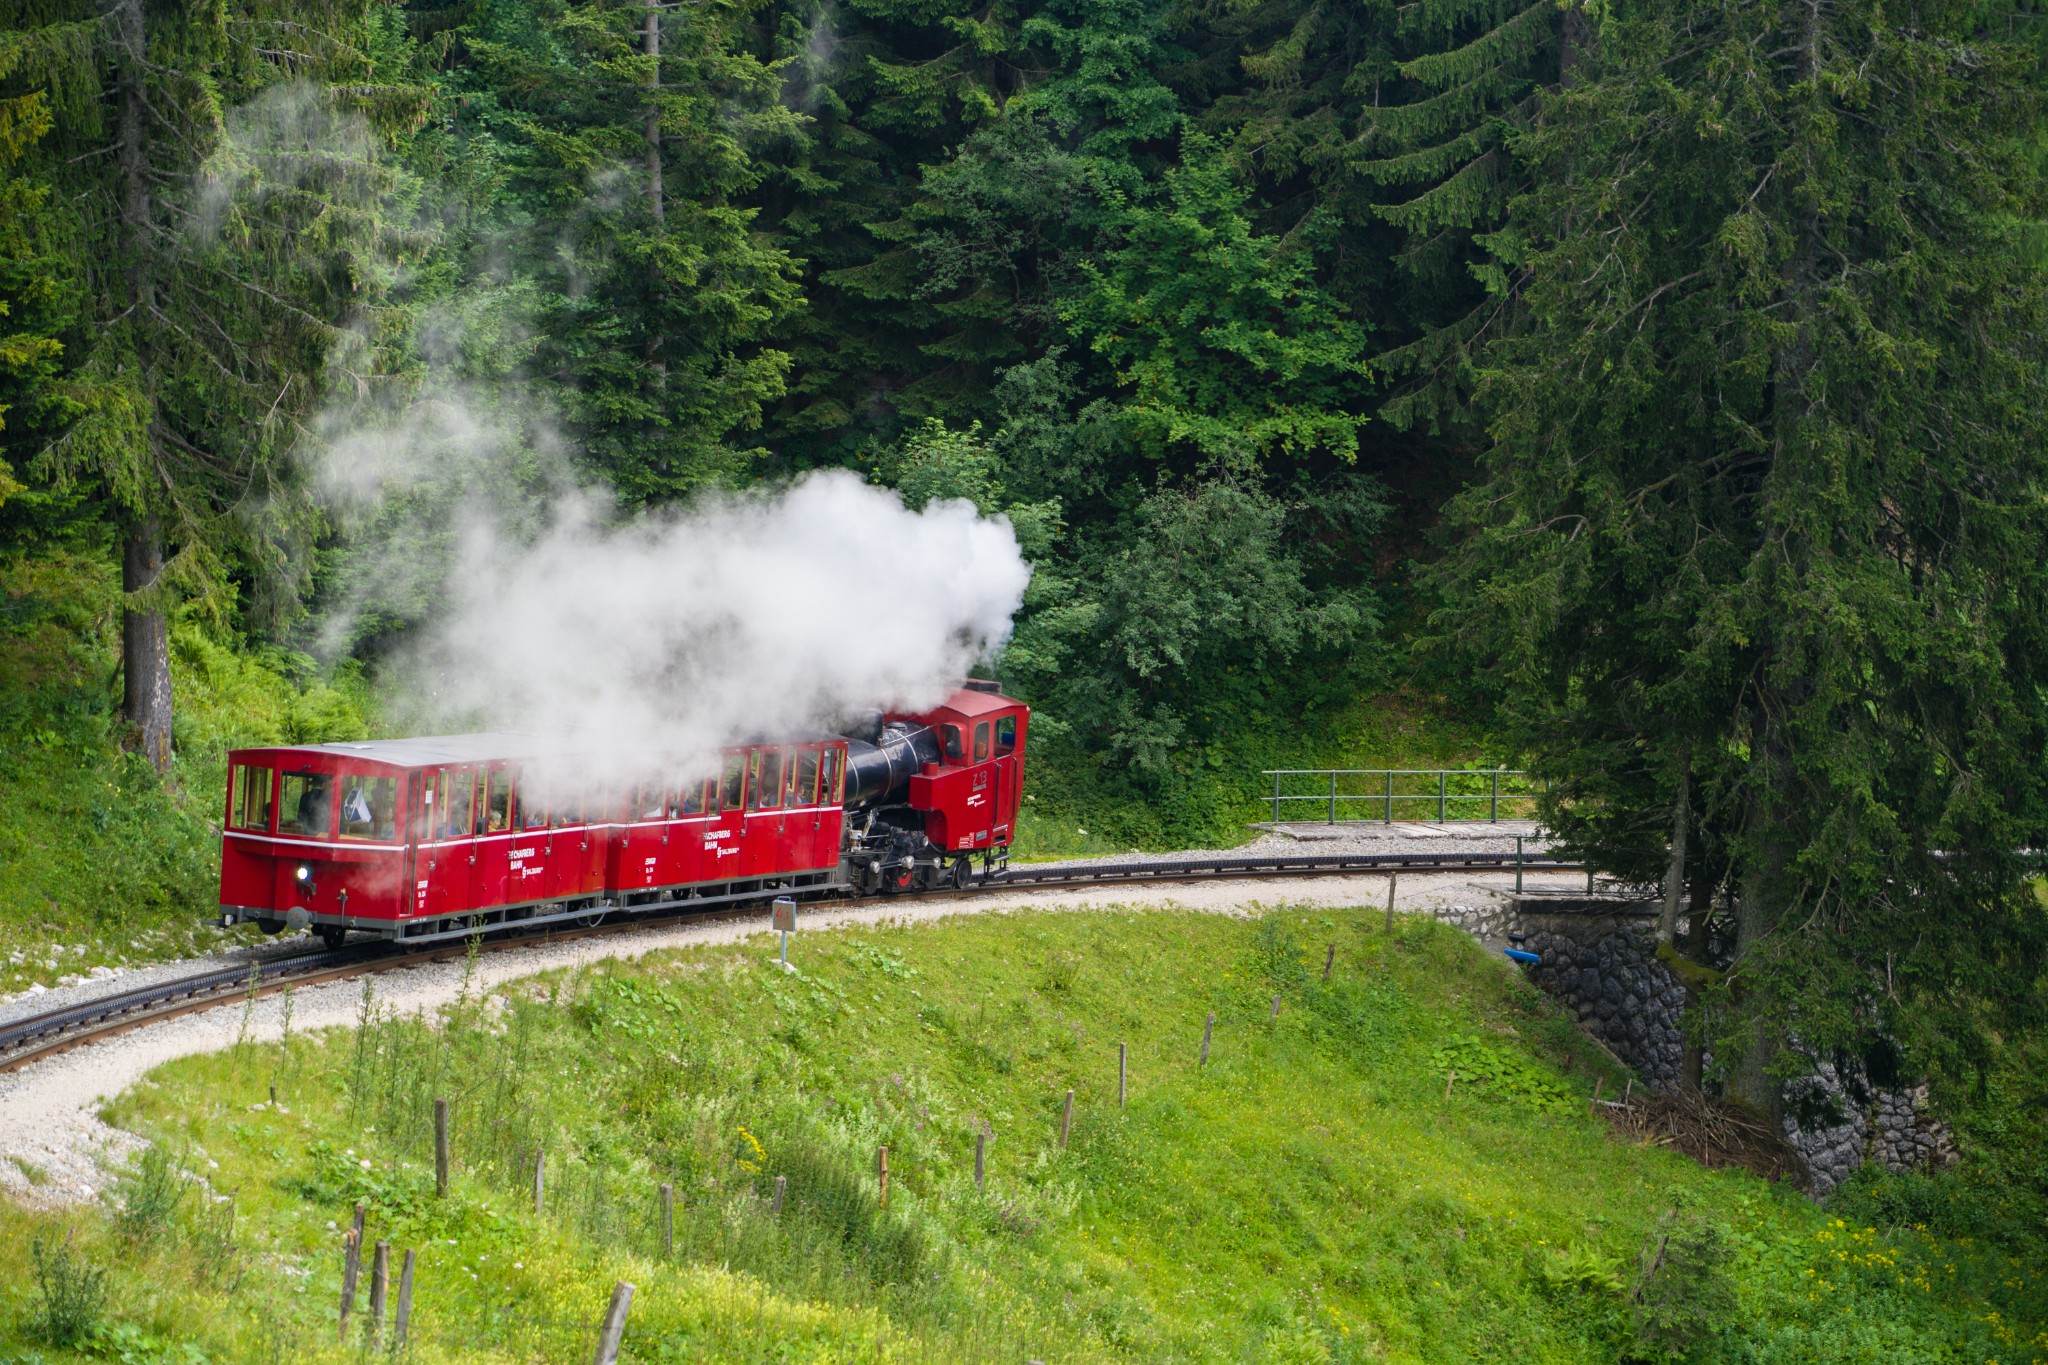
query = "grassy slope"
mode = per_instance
[
  {"x": 1312, "y": 1195},
  {"x": 100, "y": 861}
]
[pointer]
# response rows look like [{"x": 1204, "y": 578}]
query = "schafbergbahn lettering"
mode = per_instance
[{"x": 414, "y": 838}]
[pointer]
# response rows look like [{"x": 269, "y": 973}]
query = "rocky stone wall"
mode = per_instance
[
  {"x": 1604, "y": 967},
  {"x": 1598, "y": 956}
]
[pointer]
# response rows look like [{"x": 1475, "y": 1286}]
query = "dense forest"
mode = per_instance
[{"x": 1655, "y": 381}]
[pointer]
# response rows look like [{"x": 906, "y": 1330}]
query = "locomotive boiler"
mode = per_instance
[{"x": 417, "y": 839}]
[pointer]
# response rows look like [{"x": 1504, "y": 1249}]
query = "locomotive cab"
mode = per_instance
[{"x": 940, "y": 787}]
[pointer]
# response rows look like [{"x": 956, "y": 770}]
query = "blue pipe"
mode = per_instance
[{"x": 1526, "y": 959}]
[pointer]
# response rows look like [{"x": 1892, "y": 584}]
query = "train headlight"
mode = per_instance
[{"x": 304, "y": 874}]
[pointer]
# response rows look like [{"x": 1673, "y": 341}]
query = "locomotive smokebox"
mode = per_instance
[{"x": 881, "y": 771}]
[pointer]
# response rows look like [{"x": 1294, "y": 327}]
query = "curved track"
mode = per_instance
[{"x": 35, "y": 1037}]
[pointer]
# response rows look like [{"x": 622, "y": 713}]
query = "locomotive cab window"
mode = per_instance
[
  {"x": 955, "y": 747},
  {"x": 1006, "y": 736},
  {"x": 806, "y": 778},
  {"x": 981, "y": 742},
  {"x": 308, "y": 804},
  {"x": 369, "y": 808},
  {"x": 768, "y": 789},
  {"x": 734, "y": 784},
  {"x": 249, "y": 808},
  {"x": 829, "y": 774}
]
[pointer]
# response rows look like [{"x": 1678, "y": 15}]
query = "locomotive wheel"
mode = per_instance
[
  {"x": 332, "y": 935},
  {"x": 960, "y": 874}
]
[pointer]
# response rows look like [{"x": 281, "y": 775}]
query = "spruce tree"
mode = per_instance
[
  {"x": 1758, "y": 556},
  {"x": 221, "y": 168}
]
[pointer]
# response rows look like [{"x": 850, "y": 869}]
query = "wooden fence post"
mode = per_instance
[
  {"x": 980, "y": 1154},
  {"x": 1066, "y": 1120},
  {"x": 402, "y": 1319},
  {"x": 380, "y": 1285},
  {"x": 882, "y": 1172},
  {"x": 614, "y": 1329},
  {"x": 540, "y": 1180},
  {"x": 668, "y": 1219},
  {"x": 1393, "y": 880},
  {"x": 1594, "y": 1106},
  {"x": 1123, "y": 1066},
  {"x": 441, "y": 1148},
  {"x": 351, "y": 1267},
  {"x": 1276, "y": 1009},
  {"x": 1329, "y": 961},
  {"x": 781, "y": 1187},
  {"x": 1208, "y": 1028},
  {"x": 1450, "y": 1081}
]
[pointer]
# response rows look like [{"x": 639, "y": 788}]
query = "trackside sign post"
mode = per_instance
[{"x": 784, "y": 922}]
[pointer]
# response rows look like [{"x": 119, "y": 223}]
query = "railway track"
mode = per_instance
[{"x": 36, "y": 1037}]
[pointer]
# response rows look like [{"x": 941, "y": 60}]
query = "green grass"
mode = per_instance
[
  {"x": 101, "y": 861},
  {"x": 1313, "y": 1194}
]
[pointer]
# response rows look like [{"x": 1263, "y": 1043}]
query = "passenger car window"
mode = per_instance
[
  {"x": 806, "y": 778},
  {"x": 499, "y": 813},
  {"x": 1006, "y": 736},
  {"x": 249, "y": 808},
  {"x": 735, "y": 780},
  {"x": 457, "y": 797},
  {"x": 981, "y": 742},
  {"x": 768, "y": 791},
  {"x": 308, "y": 804},
  {"x": 949, "y": 736},
  {"x": 369, "y": 807},
  {"x": 828, "y": 777},
  {"x": 693, "y": 797}
]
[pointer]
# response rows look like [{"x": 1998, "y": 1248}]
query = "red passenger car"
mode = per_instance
[{"x": 426, "y": 838}]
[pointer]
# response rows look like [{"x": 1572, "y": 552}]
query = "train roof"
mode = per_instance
[{"x": 429, "y": 750}]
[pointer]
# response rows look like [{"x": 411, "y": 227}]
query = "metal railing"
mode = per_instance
[{"x": 1450, "y": 785}]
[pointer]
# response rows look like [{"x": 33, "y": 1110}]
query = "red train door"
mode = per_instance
[
  {"x": 1008, "y": 779},
  {"x": 695, "y": 859},
  {"x": 805, "y": 818},
  {"x": 490, "y": 873},
  {"x": 447, "y": 843},
  {"x": 831, "y": 806},
  {"x": 761, "y": 852},
  {"x": 641, "y": 838},
  {"x": 723, "y": 835},
  {"x": 984, "y": 792}
]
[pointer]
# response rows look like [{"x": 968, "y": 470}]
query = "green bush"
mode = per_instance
[{"x": 71, "y": 1293}]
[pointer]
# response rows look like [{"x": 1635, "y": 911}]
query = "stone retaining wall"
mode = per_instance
[{"x": 1598, "y": 956}]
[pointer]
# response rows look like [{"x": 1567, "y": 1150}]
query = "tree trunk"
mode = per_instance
[
  {"x": 1575, "y": 35},
  {"x": 651, "y": 38},
  {"x": 145, "y": 646},
  {"x": 145, "y": 641},
  {"x": 1692, "y": 1062},
  {"x": 1674, "y": 875}
]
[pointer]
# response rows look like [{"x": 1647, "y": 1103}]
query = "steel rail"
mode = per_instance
[{"x": 36, "y": 1037}]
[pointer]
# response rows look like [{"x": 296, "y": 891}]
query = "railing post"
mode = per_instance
[
  {"x": 1493, "y": 806},
  {"x": 1442, "y": 778},
  {"x": 1276, "y": 798},
  {"x": 1333, "y": 796},
  {"x": 1390, "y": 796}
]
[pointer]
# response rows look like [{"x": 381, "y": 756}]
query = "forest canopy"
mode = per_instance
[{"x": 1658, "y": 379}]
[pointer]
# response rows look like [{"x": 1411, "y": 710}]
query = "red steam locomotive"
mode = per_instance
[{"x": 417, "y": 839}]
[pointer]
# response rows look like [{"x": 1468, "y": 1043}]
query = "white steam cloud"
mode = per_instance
[{"x": 743, "y": 615}]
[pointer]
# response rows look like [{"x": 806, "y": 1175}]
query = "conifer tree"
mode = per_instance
[
  {"x": 1759, "y": 551},
  {"x": 222, "y": 166},
  {"x": 624, "y": 130}
]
